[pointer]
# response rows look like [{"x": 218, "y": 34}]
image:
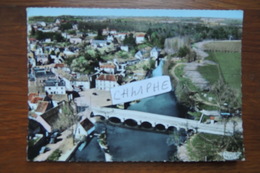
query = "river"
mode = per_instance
[
  {"x": 164, "y": 104},
  {"x": 128, "y": 144}
]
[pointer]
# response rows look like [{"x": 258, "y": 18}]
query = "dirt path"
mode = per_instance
[
  {"x": 173, "y": 71},
  {"x": 191, "y": 69}
]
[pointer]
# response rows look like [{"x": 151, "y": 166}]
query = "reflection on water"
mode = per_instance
[{"x": 164, "y": 104}]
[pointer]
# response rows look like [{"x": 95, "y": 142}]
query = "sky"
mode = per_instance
[{"x": 235, "y": 14}]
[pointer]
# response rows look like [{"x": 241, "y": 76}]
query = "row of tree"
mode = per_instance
[{"x": 39, "y": 35}]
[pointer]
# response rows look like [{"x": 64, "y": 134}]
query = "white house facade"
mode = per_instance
[
  {"x": 83, "y": 129},
  {"x": 139, "y": 38},
  {"x": 75, "y": 40},
  {"x": 106, "y": 82},
  {"x": 53, "y": 86}
]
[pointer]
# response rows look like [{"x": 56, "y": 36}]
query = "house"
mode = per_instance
[
  {"x": 83, "y": 129},
  {"x": 139, "y": 55},
  {"x": 154, "y": 53},
  {"x": 139, "y": 38},
  {"x": 105, "y": 31},
  {"x": 41, "y": 23},
  {"x": 40, "y": 56},
  {"x": 75, "y": 40},
  {"x": 32, "y": 40},
  {"x": 54, "y": 29},
  {"x": 54, "y": 86},
  {"x": 124, "y": 48},
  {"x": 48, "y": 117},
  {"x": 57, "y": 21},
  {"x": 81, "y": 82},
  {"x": 121, "y": 36},
  {"x": 75, "y": 26},
  {"x": 120, "y": 67},
  {"x": 42, "y": 107},
  {"x": 65, "y": 35},
  {"x": 60, "y": 65},
  {"x": 57, "y": 59},
  {"x": 69, "y": 53},
  {"x": 33, "y": 99},
  {"x": 41, "y": 75},
  {"x": 98, "y": 43},
  {"x": 132, "y": 62},
  {"x": 47, "y": 40},
  {"x": 106, "y": 82},
  {"x": 108, "y": 68},
  {"x": 113, "y": 31},
  {"x": 110, "y": 38},
  {"x": 31, "y": 61}
]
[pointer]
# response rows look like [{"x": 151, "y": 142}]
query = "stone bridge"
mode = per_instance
[{"x": 163, "y": 122}]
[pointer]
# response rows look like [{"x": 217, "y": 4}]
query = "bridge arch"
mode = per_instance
[
  {"x": 160, "y": 127},
  {"x": 171, "y": 129},
  {"x": 131, "y": 122},
  {"x": 191, "y": 132},
  {"x": 115, "y": 120},
  {"x": 146, "y": 125}
]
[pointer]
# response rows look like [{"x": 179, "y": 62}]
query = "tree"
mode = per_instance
[
  {"x": 32, "y": 30},
  {"x": 192, "y": 56},
  {"x": 183, "y": 51},
  {"x": 65, "y": 26},
  {"x": 99, "y": 35},
  {"x": 80, "y": 65},
  {"x": 130, "y": 40},
  {"x": 69, "y": 60},
  {"x": 225, "y": 94},
  {"x": 58, "y": 37}
]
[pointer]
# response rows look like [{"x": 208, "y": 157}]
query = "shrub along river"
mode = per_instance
[{"x": 133, "y": 144}]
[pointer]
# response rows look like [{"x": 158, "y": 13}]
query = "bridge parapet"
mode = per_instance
[{"x": 166, "y": 121}]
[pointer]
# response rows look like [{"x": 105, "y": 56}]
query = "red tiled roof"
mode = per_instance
[
  {"x": 42, "y": 106},
  {"x": 32, "y": 39},
  {"x": 108, "y": 77},
  {"x": 140, "y": 35},
  {"x": 59, "y": 65},
  {"x": 31, "y": 96},
  {"x": 87, "y": 124},
  {"x": 107, "y": 66},
  {"x": 36, "y": 99}
]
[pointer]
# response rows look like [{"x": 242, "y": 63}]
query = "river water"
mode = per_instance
[
  {"x": 128, "y": 144},
  {"x": 164, "y": 104}
]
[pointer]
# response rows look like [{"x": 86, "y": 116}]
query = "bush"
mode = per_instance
[
  {"x": 183, "y": 51},
  {"x": 55, "y": 155}
]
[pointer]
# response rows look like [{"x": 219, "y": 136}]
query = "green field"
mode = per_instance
[
  {"x": 230, "y": 66},
  {"x": 210, "y": 73},
  {"x": 223, "y": 46}
]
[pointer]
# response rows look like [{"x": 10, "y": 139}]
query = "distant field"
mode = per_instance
[
  {"x": 223, "y": 46},
  {"x": 230, "y": 66}
]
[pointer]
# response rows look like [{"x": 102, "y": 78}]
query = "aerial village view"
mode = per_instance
[{"x": 78, "y": 57}]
